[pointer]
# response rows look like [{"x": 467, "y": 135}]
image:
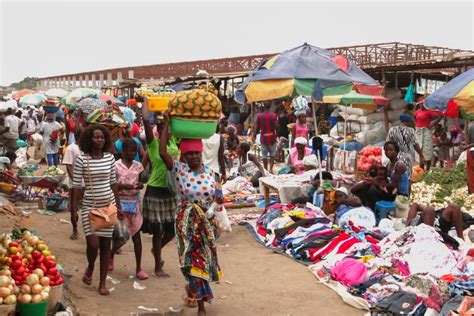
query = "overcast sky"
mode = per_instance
[{"x": 45, "y": 38}]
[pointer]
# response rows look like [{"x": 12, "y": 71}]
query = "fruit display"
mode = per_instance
[
  {"x": 8, "y": 289},
  {"x": 197, "y": 104},
  {"x": 368, "y": 156},
  {"x": 35, "y": 290},
  {"x": 53, "y": 171},
  {"x": 26, "y": 259}
]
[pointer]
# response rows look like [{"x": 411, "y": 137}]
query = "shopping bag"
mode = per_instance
[
  {"x": 120, "y": 235},
  {"x": 223, "y": 222}
]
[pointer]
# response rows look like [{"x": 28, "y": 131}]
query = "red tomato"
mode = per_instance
[
  {"x": 52, "y": 283},
  {"x": 53, "y": 271},
  {"x": 21, "y": 270},
  {"x": 16, "y": 264},
  {"x": 43, "y": 267},
  {"x": 13, "y": 244},
  {"x": 36, "y": 254},
  {"x": 50, "y": 264},
  {"x": 59, "y": 281},
  {"x": 52, "y": 277},
  {"x": 17, "y": 277},
  {"x": 39, "y": 259}
]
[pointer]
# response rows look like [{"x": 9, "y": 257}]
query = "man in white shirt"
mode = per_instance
[
  {"x": 213, "y": 155},
  {"x": 72, "y": 152},
  {"x": 11, "y": 132}
]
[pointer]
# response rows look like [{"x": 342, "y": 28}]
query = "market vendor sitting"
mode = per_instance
[
  {"x": 350, "y": 210},
  {"x": 397, "y": 171},
  {"x": 374, "y": 188},
  {"x": 249, "y": 166},
  {"x": 442, "y": 220},
  {"x": 297, "y": 155}
]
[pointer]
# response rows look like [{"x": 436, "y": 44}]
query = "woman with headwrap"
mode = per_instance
[
  {"x": 199, "y": 195},
  {"x": 424, "y": 135},
  {"x": 300, "y": 129},
  {"x": 404, "y": 136},
  {"x": 297, "y": 155}
]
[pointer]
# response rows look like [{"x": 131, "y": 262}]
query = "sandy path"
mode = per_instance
[{"x": 263, "y": 283}]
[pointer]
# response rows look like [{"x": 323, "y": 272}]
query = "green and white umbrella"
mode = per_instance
[
  {"x": 81, "y": 93},
  {"x": 56, "y": 93}
]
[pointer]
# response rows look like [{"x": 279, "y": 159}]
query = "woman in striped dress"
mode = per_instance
[{"x": 96, "y": 169}]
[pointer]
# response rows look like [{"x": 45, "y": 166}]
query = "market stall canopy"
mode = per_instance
[
  {"x": 457, "y": 93},
  {"x": 56, "y": 93},
  {"x": 305, "y": 70},
  {"x": 81, "y": 93},
  {"x": 346, "y": 95},
  {"x": 21, "y": 93},
  {"x": 32, "y": 99}
]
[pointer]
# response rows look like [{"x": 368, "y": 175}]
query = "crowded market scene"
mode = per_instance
[{"x": 341, "y": 177}]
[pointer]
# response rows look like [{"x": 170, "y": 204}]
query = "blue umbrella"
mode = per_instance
[{"x": 460, "y": 90}]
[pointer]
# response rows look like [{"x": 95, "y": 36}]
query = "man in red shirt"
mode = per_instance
[{"x": 267, "y": 125}]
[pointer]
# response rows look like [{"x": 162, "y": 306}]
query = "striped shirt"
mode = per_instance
[
  {"x": 268, "y": 125},
  {"x": 405, "y": 137},
  {"x": 102, "y": 176}
]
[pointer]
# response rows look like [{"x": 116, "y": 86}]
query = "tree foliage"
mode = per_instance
[{"x": 26, "y": 83}]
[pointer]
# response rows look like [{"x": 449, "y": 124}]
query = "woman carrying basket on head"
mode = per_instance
[{"x": 196, "y": 228}]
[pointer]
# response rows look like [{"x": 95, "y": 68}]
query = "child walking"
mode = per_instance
[{"x": 128, "y": 171}]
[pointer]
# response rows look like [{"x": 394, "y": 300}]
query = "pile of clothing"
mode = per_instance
[{"x": 410, "y": 271}]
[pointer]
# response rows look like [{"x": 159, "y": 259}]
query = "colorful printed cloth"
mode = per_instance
[
  {"x": 196, "y": 234},
  {"x": 196, "y": 241}
]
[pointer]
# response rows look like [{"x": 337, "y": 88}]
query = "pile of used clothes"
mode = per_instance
[{"x": 410, "y": 271}]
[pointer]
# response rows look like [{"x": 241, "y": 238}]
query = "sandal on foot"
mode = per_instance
[
  {"x": 87, "y": 279},
  {"x": 111, "y": 265},
  {"x": 104, "y": 291},
  {"x": 142, "y": 275},
  {"x": 189, "y": 301}
]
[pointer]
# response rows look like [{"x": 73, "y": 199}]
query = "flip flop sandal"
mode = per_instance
[
  {"x": 142, "y": 275},
  {"x": 189, "y": 301},
  {"x": 104, "y": 291},
  {"x": 87, "y": 279}
]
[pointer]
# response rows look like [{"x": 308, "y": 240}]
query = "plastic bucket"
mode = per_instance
[
  {"x": 55, "y": 297},
  {"x": 332, "y": 120},
  {"x": 156, "y": 104},
  {"x": 36, "y": 309},
  {"x": 192, "y": 129}
]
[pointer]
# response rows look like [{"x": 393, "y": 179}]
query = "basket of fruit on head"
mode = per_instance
[
  {"x": 194, "y": 113},
  {"x": 51, "y": 106}
]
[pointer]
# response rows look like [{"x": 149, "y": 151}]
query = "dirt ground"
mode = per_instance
[{"x": 256, "y": 280}]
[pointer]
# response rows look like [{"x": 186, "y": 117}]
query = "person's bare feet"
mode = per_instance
[{"x": 161, "y": 274}]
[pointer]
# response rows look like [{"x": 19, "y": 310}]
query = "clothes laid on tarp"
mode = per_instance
[{"x": 407, "y": 271}]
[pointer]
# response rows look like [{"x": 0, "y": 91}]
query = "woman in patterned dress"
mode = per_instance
[
  {"x": 96, "y": 168},
  {"x": 196, "y": 230}
]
